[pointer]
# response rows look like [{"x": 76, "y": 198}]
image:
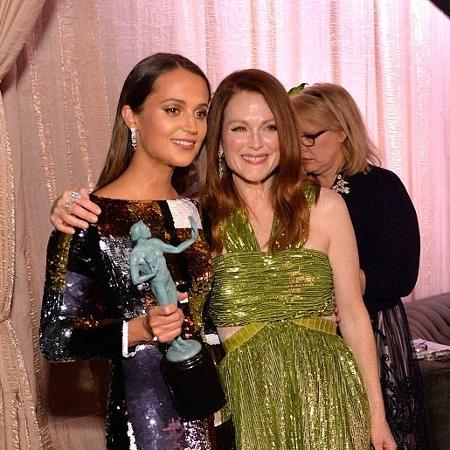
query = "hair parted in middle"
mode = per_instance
[{"x": 219, "y": 196}]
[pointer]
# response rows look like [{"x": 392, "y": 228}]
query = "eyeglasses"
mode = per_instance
[{"x": 309, "y": 140}]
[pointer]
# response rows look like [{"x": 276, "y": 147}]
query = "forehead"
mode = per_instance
[
  {"x": 181, "y": 84},
  {"x": 309, "y": 123},
  {"x": 244, "y": 104},
  {"x": 309, "y": 126}
]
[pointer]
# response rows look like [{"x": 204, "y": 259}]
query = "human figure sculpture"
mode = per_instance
[{"x": 147, "y": 263}]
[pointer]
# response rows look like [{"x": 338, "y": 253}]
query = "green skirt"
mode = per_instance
[{"x": 294, "y": 385}]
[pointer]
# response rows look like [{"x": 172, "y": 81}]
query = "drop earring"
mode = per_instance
[
  {"x": 220, "y": 155},
  {"x": 133, "y": 138}
]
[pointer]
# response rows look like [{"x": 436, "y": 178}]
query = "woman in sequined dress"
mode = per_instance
[
  {"x": 90, "y": 307},
  {"x": 336, "y": 149},
  {"x": 283, "y": 253}
]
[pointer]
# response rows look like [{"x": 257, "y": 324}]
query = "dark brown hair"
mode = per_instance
[
  {"x": 136, "y": 88},
  {"x": 219, "y": 196}
]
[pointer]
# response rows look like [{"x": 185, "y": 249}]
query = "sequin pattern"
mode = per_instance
[
  {"x": 291, "y": 382},
  {"x": 89, "y": 293}
]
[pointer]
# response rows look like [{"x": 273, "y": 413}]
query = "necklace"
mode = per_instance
[{"x": 341, "y": 185}]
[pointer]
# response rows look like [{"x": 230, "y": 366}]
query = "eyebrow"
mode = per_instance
[
  {"x": 183, "y": 102},
  {"x": 244, "y": 121}
]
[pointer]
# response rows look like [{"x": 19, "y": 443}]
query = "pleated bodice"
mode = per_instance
[
  {"x": 291, "y": 383},
  {"x": 255, "y": 286}
]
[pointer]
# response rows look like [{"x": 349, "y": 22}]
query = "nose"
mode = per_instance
[
  {"x": 254, "y": 140},
  {"x": 190, "y": 124}
]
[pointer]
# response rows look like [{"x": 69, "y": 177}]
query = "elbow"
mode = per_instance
[
  {"x": 54, "y": 343},
  {"x": 407, "y": 283}
]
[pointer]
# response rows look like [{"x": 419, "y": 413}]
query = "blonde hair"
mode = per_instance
[{"x": 328, "y": 105}]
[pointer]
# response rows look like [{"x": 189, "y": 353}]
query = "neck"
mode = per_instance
[
  {"x": 328, "y": 175},
  {"x": 144, "y": 180},
  {"x": 254, "y": 195},
  {"x": 326, "y": 180}
]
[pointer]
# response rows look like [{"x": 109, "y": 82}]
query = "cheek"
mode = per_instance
[
  {"x": 227, "y": 144},
  {"x": 233, "y": 143},
  {"x": 272, "y": 142},
  {"x": 202, "y": 129}
]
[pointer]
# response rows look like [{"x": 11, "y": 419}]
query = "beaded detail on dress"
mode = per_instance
[{"x": 341, "y": 185}]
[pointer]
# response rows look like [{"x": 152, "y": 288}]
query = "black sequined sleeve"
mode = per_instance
[{"x": 76, "y": 320}]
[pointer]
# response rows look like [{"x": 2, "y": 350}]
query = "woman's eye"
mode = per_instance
[
  {"x": 202, "y": 114},
  {"x": 238, "y": 128},
  {"x": 271, "y": 127},
  {"x": 172, "y": 110}
]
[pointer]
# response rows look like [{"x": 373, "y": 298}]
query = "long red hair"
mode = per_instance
[{"x": 219, "y": 196}]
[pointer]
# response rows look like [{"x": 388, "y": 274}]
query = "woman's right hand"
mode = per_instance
[
  {"x": 162, "y": 324},
  {"x": 165, "y": 322},
  {"x": 69, "y": 212}
]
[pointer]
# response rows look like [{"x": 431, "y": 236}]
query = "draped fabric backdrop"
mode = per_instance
[{"x": 57, "y": 103}]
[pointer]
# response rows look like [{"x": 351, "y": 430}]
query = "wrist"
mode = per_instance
[
  {"x": 377, "y": 415},
  {"x": 139, "y": 331}
]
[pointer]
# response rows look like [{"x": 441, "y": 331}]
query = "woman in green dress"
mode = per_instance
[{"x": 284, "y": 254}]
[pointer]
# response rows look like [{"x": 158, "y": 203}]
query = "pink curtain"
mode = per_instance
[
  {"x": 23, "y": 423},
  {"x": 60, "y": 97}
]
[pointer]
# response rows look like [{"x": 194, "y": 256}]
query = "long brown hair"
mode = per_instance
[
  {"x": 328, "y": 105},
  {"x": 136, "y": 88},
  {"x": 219, "y": 196}
]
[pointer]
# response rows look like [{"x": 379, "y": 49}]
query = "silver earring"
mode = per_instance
[
  {"x": 133, "y": 138},
  {"x": 221, "y": 163}
]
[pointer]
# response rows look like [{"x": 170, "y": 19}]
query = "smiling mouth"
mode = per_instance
[
  {"x": 187, "y": 144},
  {"x": 254, "y": 159}
]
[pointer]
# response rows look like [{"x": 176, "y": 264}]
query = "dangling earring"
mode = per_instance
[
  {"x": 133, "y": 138},
  {"x": 220, "y": 155}
]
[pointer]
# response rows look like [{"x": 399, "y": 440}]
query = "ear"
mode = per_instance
[
  {"x": 129, "y": 117},
  {"x": 342, "y": 136}
]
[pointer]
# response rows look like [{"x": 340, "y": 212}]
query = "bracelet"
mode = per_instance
[{"x": 125, "y": 352}]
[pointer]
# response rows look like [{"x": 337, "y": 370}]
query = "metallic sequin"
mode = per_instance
[
  {"x": 89, "y": 293},
  {"x": 291, "y": 382}
]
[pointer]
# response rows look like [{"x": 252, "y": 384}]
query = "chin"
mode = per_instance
[
  {"x": 184, "y": 162},
  {"x": 256, "y": 179},
  {"x": 309, "y": 167}
]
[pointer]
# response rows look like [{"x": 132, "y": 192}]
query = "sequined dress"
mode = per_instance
[
  {"x": 89, "y": 294},
  {"x": 291, "y": 382}
]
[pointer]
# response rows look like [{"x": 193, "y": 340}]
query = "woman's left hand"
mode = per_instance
[{"x": 381, "y": 436}]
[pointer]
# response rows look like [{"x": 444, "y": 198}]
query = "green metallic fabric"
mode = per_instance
[
  {"x": 291, "y": 382},
  {"x": 251, "y": 285}
]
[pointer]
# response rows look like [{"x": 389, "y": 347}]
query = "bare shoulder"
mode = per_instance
[
  {"x": 111, "y": 190},
  {"x": 329, "y": 203}
]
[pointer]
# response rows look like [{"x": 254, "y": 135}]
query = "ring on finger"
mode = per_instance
[
  {"x": 74, "y": 195},
  {"x": 67, "y": 207}
]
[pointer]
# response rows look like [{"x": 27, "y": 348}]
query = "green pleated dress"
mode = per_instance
[{"x": 291, "y": 382}]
